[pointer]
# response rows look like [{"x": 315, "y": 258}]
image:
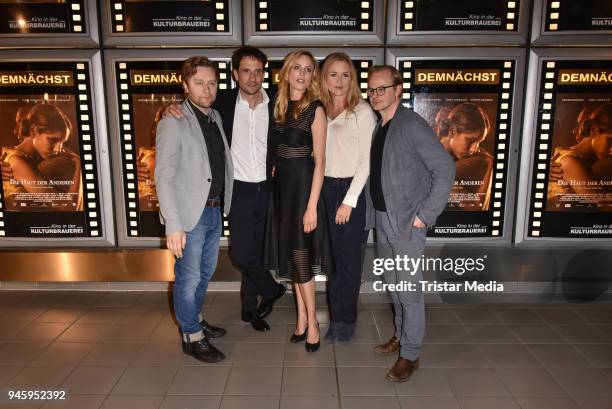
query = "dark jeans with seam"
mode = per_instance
[{"x": 348, "y": 245}]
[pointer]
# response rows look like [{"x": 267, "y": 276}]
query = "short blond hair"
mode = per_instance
[{"x": 395, "y": 74}]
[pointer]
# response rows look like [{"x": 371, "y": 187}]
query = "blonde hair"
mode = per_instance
[
  {"x": 353, "y": 98},
  {"x": 282, "y": 96}
]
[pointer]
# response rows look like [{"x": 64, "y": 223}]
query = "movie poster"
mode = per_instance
[
  {"x": 451, "y": 15},
  {"x": 148, "y": 110},
  {"x": 41, "y": 17},
  {"x": 145, "y": 89},
  {"x": 584, "y": 15},
  {"x": 465, "y": 124},
  {"x": 155, "y": 16},
  {"x": 572, "y": 185},
  {"x": 46, "y": 118},
  {"x": 315, "y": 15},
  {"x": 583, "y": 153},
  {"x": 468, "y": 105}
]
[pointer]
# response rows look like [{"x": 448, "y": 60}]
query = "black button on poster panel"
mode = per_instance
[
  {"x": 468, "y": 103},
  {"x": 574, "y": 136},
  {"x": 172, "y": 23},
  {"x": 43, "y": 23},
  {"x": 560, "y": 22},
  {"x": 51, "y": 191},
  {"x": 468, "y": 22},
  {"x": 144, "y": 89}
]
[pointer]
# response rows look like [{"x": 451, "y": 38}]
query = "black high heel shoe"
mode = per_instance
[
  {"x": 313, "y": 347},
  {"x": 299, "y": 338}
]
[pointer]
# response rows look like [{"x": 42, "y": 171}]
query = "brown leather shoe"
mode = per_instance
[
  {"x": 402, "y": 370},
  {"x": 388, "y": 348}
]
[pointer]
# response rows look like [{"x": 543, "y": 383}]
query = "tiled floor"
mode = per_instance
[{"x": 120, "y": 350}]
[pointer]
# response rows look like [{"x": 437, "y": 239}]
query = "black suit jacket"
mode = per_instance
[{"x": 226, "y": 105}]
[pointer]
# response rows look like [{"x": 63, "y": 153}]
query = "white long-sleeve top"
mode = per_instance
[{"x": 347, "y": 152}]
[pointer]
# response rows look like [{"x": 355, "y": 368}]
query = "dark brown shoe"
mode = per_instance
[
  {"x": 388, "y": 348},
  {"x": 402, "y": 370}
]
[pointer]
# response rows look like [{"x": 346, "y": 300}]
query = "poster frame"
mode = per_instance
[
  {"x": 537, "y": 57},
  {"x": 539, "y": 37},
  {"x": 394, "y": 55},
  {"x": 89, "y": 38},
  {"x": 456, "y": 38},
  {"x": 312, "y": 38},
  {"x": 107, "y": 236},
  {"x": 173, "y": 39},
  {"x": 110, "y": 57}
]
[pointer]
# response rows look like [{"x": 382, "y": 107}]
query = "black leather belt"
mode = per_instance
[{"x": 213, "y": 203}]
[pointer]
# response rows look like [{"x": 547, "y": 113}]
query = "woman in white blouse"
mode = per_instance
[{"x": 350, "y": 124}]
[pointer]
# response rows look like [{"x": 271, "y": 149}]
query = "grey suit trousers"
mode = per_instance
[{"x": 409, "y": 306}]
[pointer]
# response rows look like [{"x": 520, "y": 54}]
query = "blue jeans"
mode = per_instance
[{"x": 193, "y": 271}]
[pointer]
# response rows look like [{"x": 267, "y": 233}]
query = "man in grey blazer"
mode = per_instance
[
  {"x": 193, "y": 170},
  {"x": 411, "y": 176}
]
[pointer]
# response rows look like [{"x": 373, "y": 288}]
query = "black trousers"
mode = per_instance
[
  {"x": 348, "y": 245},
  {"x": 247, "y": 220}
]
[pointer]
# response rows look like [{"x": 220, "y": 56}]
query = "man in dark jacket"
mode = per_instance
[
  {"x": 411, "y": 176},
  {"x": 247, "y": 114}
]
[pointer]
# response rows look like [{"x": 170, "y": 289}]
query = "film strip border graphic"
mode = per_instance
[
  {"x": 553, "y": 9},
  {"x": 128, "y": 151},
  {"x": 502, "y": 148},
  {"x": 77, "y": 16},
  {"x": 542, "y": 147},
  {"x": 87, "y": 144},
  {"x": 364, "y": 23},
  {"x": 118, "y": 17},
  {"x": 362, "y": 66},
  {"x": 88, "y": 149},
  {"x": 407, "y": 13}
]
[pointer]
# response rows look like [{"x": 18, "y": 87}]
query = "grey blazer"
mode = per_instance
[
  {"x": 182, "y": 171},
  {"x": 417, "y": 174}
]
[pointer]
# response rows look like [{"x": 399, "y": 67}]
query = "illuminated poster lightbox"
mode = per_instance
[
  {"x": 571, "y": 182},
  {"x": 145, "y": 88},
  {"x": 313, "y": 22},
  {"x": 50, "y": 183},
  {"x": 568, "y": 22},
  {"x": 172, "y": 23},
  {"x": 439, "y": 22},
  {"x": 36, "y": 23},
  {"x": 469, "y": 104}
]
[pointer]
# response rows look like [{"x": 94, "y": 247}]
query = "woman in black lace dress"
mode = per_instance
[{"x": 298, "y": 152}]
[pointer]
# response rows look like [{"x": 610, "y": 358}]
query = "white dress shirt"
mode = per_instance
[
  {"x": 347, "y": 152},
  {"x": 250, "y": 139}
]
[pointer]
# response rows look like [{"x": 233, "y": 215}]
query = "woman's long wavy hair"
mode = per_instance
[
  {"x": 354, "y": 93},
  {"x": 466, "y": 117},
  {"x": 45, "y": 118},
  {"x": 283, "y": 96}
]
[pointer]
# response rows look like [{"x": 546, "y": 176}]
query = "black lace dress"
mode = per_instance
[{"x": 294, "y": 254}]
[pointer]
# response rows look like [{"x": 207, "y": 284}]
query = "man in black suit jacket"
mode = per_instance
[{"x": 247, "y": 116}]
